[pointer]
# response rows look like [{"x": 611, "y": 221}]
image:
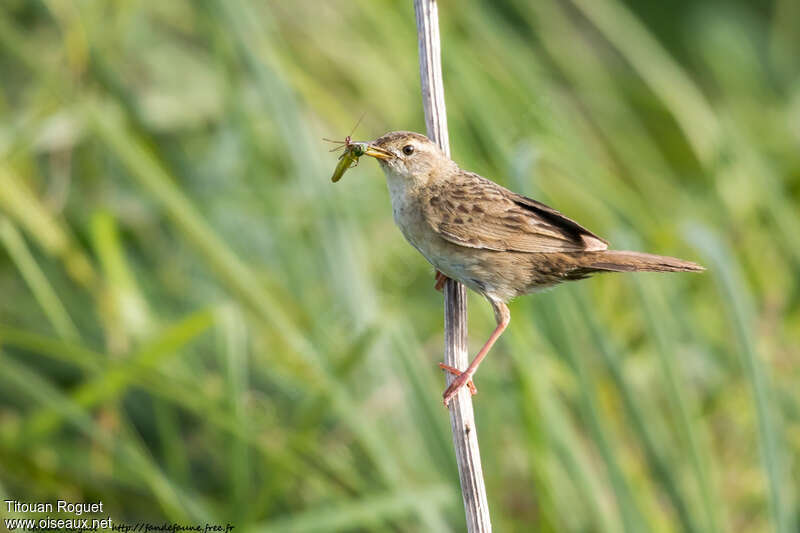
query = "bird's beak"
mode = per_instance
[{"x": 377, "y": 152}]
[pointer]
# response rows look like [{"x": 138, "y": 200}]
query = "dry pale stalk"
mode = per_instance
[{"x": 462, "y": 418}]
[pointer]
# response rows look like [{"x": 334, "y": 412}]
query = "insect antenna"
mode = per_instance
[
  {"x": 357, "y": 123},
  {"x": 346, "y": 142},
  {"x": 341, "y": 144}
]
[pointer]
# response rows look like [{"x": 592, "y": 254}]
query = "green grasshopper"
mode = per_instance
[{"x": 349, "y": 158}]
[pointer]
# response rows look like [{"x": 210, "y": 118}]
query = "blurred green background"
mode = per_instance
[{"x": 197, "y": 326}]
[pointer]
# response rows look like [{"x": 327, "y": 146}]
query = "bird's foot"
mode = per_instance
[
  {"x": 461, "y": 380},
  {"x": 440, "y": 279}
]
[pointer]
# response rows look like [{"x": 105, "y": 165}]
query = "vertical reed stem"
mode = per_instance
[{"x": 462, "y": 418}]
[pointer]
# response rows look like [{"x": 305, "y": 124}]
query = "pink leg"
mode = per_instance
[
  {"x": 503, "y": 316},
  {"x": 440, "y": 279}
]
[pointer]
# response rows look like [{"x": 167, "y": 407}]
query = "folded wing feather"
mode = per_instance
[{"x": 478, "y": 213}]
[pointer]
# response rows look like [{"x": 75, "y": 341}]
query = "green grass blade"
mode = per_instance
[
  {"x": 118, "y": 378},
  {"x": 41, "y": 288},
  {"x": 364, "y": 513},
  {"x": 739, "y": 307},
  {"x": 566, "y": 343}
]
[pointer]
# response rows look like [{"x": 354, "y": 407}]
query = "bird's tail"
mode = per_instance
[{"x": 624, "y": 261}]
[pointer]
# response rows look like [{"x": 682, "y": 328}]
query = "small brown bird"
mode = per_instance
[{"x": 496, "y": 242}]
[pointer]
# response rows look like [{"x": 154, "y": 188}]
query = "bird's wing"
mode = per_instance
[{"x": 478, "y": 213}]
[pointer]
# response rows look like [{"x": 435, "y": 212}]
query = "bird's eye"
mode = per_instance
[{"x": 408, "y": 149}]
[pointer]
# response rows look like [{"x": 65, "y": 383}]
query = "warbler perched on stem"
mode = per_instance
[{"x": 496, "y": 242}]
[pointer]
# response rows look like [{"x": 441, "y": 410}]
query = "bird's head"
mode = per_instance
[{"x": 409, "y": 156}]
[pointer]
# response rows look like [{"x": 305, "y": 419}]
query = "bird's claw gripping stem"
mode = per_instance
[{"x": 460, "y": 381}]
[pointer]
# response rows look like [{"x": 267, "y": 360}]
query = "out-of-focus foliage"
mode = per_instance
[{"x": 196, "y": 325}]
